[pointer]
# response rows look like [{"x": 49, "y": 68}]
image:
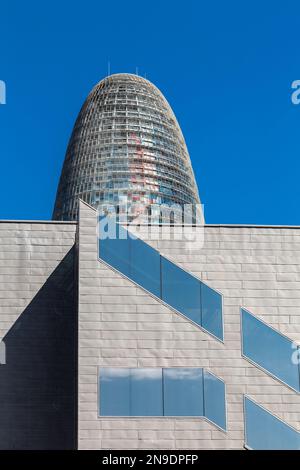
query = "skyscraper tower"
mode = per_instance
[{"x": 127, "y": 149}]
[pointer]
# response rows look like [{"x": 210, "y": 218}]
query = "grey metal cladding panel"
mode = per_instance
[{"x": 243, "y": 264}]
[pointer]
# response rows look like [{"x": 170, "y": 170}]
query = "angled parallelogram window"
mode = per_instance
[
  {"x": 114, "y": 246},
  {"x": 264, "y": 431},
  {"x": 214, "y": 403},
  {"x": 211, "y": 311},
  {"x": 131, "y": 256},
  {"x": 181, "y": 290},
  {"x": 270, "y": 350},
  {"x": 144, "y": 265}
]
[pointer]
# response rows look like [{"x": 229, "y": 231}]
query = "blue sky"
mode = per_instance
[{"x": 225, "y": 67}]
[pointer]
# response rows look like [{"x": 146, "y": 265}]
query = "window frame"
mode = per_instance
[
  {"x": 99, "y": 416},
  {"x": 282, "y": 382},
  {"x": 221, "y": 340},
  {"x": 247, "y": 397}
]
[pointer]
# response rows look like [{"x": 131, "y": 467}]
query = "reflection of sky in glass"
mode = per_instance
[
  {"x": 146, "y": 392},
  {"x": 211, "y": 304},
  {"x": 162, "y": 392},
  {"x": 214, "y": 399},
  {"x": 146, "y": 373},
  {"x": 266, "y": 432},
  {"x": 144, "y": 265},
  {"x": 114, "y": 392},
  {"x": 107, "y": 373},
  {"x": 183, "y": 392},
  {"x": 269, "y": 349},
  {"x": 184, "y": 374},
  {"x": 181, "y": 290},
  {"x": 116, "y": 251}
]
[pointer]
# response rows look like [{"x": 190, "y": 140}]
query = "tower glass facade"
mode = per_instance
[{"x": 126, "y": 150}]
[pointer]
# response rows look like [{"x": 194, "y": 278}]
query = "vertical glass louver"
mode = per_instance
[{"x": 126, "y": 149}]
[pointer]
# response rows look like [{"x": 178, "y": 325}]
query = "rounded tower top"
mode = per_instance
[{"x": 126, "y": 150}]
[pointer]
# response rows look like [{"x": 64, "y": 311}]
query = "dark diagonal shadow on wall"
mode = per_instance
[{"x": 38, "y": 381}]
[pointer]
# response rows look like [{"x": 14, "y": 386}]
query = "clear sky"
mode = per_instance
[{"x": 226, "y": 68}]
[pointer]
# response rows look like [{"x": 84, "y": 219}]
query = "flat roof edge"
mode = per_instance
[
  {"x": 218, "y": 226},
  {"x": 72, "y": 222},
  {"x": 62, "y": 222}
]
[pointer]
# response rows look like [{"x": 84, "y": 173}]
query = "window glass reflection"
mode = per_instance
[
  {"x": 146, "y": 392},
  {"x": 183, "y": 391},
  {"x": 266, "y": 432},
  {"x": 115, "y": 248},
  {"x": 214, "y": 399},
  {"x": 145, "y": 266},
  {"x": 162, "y": 392},
  {"x": 181, "y": 290},
  {"x": 269, "y": 349},
  {"x": 114, "y": 392},
  {"x": 211, "y": 303}
]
